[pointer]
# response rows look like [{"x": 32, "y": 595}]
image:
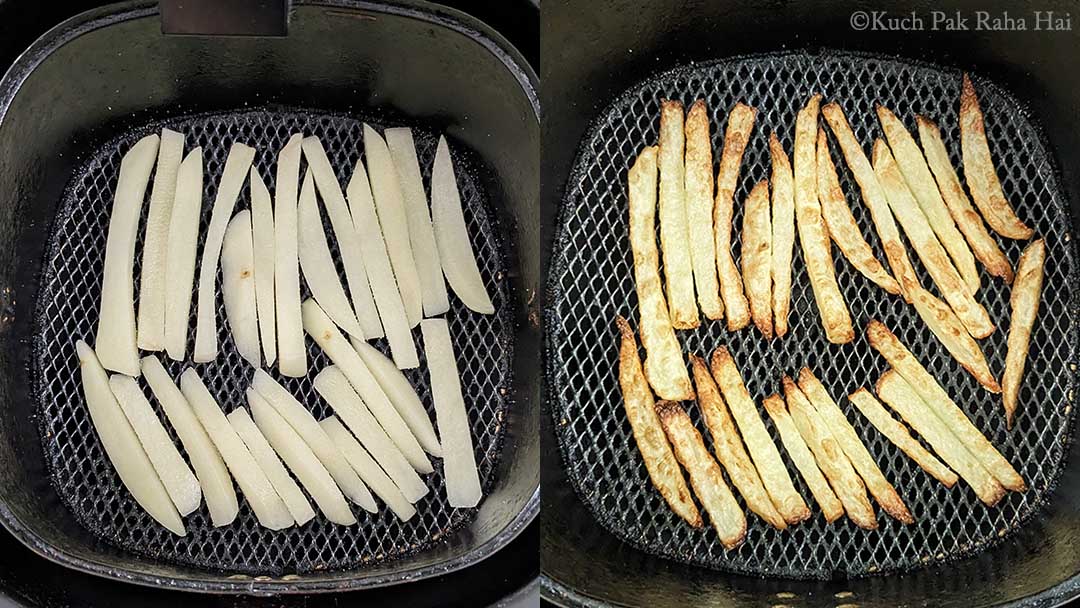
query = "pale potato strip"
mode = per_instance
[
  {"x": 803, "y": 458},
  {"x": 705, "y": 475},
  {"x": 740, "y": 124},
  {"x": 979, "y": 170},
  {"x": 758, "y": 442},
  {"x": 943, "y": 406},
  {"x": 970, "y": 222},
  {"x": 897, "y": 433},
  {"x": 729, "y": 446},
  {"x": 367, "y": 468},
  {"x": 757, "y": 257},
  {"x": 699, "y": 210},
  {"x": 262, "y": 236},
  {"x": 841, "y": 223},
  {"x": 902, "y": 397},
  {"x": 664, "y": 365},
  {"x": 183, "y": 247},
  {"x": 944, "y": 324},
  {"x": 263, "y": 454},
  {"x": 649, "y": 436},
  {"x": 1026, "y": 292},
  {"x": 783, "y": 233},
  {"x": 238, "y": 287},
  {"x": 402, "y": 394},
  {"x": 292, "y": 352},
  {"x": 151, "y": 328},
  {"x": 674, "y": 230}
]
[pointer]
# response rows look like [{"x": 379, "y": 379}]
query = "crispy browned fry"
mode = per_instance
[
  {"x": 883, "y": 341},
  {"x": 674, "y": 229},
  {"x": 648, "y": 434},
  {"x": 830, "y": 457},
  {"x": 873, "y": 194},
  {"x": 971, "y": 224},
  {"x": 762, "y": 450},
  {"x": 664, "y": 366},
  {"x": 921, "y": 182},
  {"x": 729, "y": 447},
  {"x": 699, "y": 210},
  {"x": 740, "y": 123},
  {"x": 803, "y": 459},
  {"x": 902, "y": 397},
  {"x": 897, "y": 433},
  {"x": 927, "y": 246},
  {"x": 841, "y": 223},
  {"x": 944, "y": 324},
  {"x": 757, "y": 257},
  {"x": 705, "y": 476},
  {"x": 979, "y": 171},
  {"x": 783, "y": 235},
  {"x": 1026, "y": 292},
  {"x": 880, "y": 488}
]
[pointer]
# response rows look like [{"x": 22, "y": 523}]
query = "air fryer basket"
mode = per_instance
[{"x": 116, "y": 77}]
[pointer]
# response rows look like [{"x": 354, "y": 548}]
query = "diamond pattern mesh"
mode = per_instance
[
  {"x": 67, "y": 309},
  {"x": 592, "y": 281}
]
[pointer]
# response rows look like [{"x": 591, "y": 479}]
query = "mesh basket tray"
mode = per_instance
[
  {"x": 67, "y": 309},
  {"x": 592, "y": 281}
]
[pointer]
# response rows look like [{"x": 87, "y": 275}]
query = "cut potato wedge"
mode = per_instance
[
  {"x": 238, "y": 287},
  {"x": 674, "y": 230},
  {"x": 948, "y": 329},
  {"x": 803, "y": 458},
  {"x": 402, "y": 395},
  {"x": 783, "y": 235},
  {"x": 262, "y": 239},
  {"x": 740, "y": 123},
  {"x": 698, "y": 165},
  {"x": 368, "y": 469},
  {"x": 183, "y": 247},
  {"x": 757, "y": 257},
  {"x": 268, "y": 461},
  {"x": 292, "y": 352},
  {"x": 1026, "y": 292}
]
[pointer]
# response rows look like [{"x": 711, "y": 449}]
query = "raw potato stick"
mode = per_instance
[
  {"x": 783, "y": 235},
  {"x": 850, "y": 442},
  {"x": 927, "y": 247},
  {"x": 758, "y": 442},
  {"x": 122, "y": 445},
  {"x": 262, "y": 238},
  {"x": 757, "y": 257},
  {"x": 729, "y": 447},
  {"x": 402, "y": 395},
  {"x": 292, "y": 352},
  {"x": 260, "y": 449},
  {"x": 898, "y": 434},
  {"x": 1026, "y": 292},
  {"x": 883, "y": 341},
  {"x": 367, "y": 468},
  {"x": 179, "y": 481},
  {"x": 674, "y": 229},
  {"x": 979, "y": 170},
  {"x": 115, "y": 341},
  {"x": 948, "y": 328},
  {"x": 421, "y": 234},
  {"x": 740, "y": 124},
  {"x": 151, "y": 330},
  {"x": 803, "y": 458},
  {"x": 902, "y": 397},
  {"x": 664, "y": 365},
  {"x": 699, "y": 210},
  {"x": 705, "y": 476},
  {"x": 649, "y": 436},
  {"x": 180, "y": 258},
  {"x": 238, "y": 286},
  {"x": 813, "y": 235},
  {"x": 841, "y": 223},
  {"x": 232, "y": 181},
  {"x": 921, "y": 182},
  {"x": 967, "y": 219},
  {"x": 459, "y": 460}
]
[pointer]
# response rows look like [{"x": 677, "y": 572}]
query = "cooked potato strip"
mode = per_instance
[
  {"x": 740, "y": 123},
  {"x": 674, "y": 229},
  {"x": 1026, "y": 292},
  {"x": 944, "y": 324},
  {"x": 803, "y": 458},
  {"x": 699, "y": 210},
  {"x": 783, "y": 235},
  {"x": 757, "y": 257}
]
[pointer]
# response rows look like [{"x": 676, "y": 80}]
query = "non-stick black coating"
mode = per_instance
[{"x": 591, "y": 52}]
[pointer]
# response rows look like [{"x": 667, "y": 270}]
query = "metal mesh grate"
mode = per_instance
[
  {"x": 68, "y": 309},
  {"x": 592, "y": 280}
]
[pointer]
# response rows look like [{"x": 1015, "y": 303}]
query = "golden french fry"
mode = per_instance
[
  {"x": 927, "y": 246},
  {"x": 648, "y": 434},
  {"x": 803, "y": 459},
  {"x": 757, "y": 257},
  {"x": 729, "y": 447},
  {"x": 944, "y": 324},
  {"x": 705, "y": 475},
  {"x": 1026, "y": 292},
  {"x": 883, "y": 341},
  {"x": 902, "y": 397},
  {"x": 674, "y": 228},
  {"x": 813, "y": 235},
  {"x": 897, "y": 433},
  {"x": 783, "y": 233},
  {"x": 699, "y": 210},
  {"x": 979, "y": 171},
  {"x": 921, "y": 182},
  {"x": 758, "y": 442},
  {"x": 841, "y": 223},
  {"x": 664, "y": 366},
  {"x": 982, "y": 244},
  {"x": 880, "y": 488},
  {"x": 740, "y": 123},
  {"x": 830, "y": 457}
]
